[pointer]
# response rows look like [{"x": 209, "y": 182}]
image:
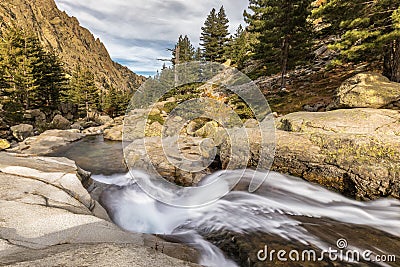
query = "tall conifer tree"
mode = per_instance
[
  {"x": 84, "y": 92},
  {"x": 283, "y": 32},
  {"x": 31, "y": 77},
  {"x": 369, "y": 30},
  {"x": 214, "y": 35},
  {"x": 183, "y": 51}
]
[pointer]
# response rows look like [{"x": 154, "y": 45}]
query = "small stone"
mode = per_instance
[
  {"x": 191, "y": 128},
  {"x": 104, "y": 120},
  {"x": 22, "y": 131},
  {"x": 177, "y": 119},
  {"x": 251, "y": 123},
  {"x": 154, "y": 112},
  {"x": 154, "y": 129}
]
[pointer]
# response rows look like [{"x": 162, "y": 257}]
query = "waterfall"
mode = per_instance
[{"x": 275, "y": 208}]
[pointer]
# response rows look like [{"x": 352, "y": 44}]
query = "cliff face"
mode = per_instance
[{"x": 73, "y": 43}]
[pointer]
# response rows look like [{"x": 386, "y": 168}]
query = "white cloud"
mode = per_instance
[{"x": 137, "y": 32}]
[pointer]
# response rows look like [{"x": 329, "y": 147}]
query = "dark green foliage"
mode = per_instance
[
  {"x": 20, "y": 58},
  {"x": 238, "y": 47},
  {"x": 52, "y": 83},
  {"x": 184, "y": 92},
  {"x": 370, "y": 31},
  {"x": 156, "y": 118},
  {"x": 13, "y": 112},
  {"x": 30, "y": 77},
  {"x": 116, "y": 103},
  {"x": 241, "y": 108},
  {"x": 283, "y": 33},
  {"x": 214, "y": 35},
  {"x": 183, "y": 51},
  {"x": 84, "y": 92},
  {"x": 168, "y": 107},
  {"x": 198, "y": 55}
]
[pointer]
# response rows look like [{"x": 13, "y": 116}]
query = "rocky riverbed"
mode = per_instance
[
  {"x": 354, "y": 151},
  {"x": 49, "y": 219}
]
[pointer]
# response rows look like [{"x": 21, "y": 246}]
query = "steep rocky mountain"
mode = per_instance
[{"x": 74, "y": 44}]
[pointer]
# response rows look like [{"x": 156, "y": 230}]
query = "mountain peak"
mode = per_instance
[{"x": 74, "y": 44}]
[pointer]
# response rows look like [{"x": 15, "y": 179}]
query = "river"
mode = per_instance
[{"x": 286, "y": 222}]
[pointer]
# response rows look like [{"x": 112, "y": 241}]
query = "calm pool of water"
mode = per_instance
[{"x": 96, "y": 155}]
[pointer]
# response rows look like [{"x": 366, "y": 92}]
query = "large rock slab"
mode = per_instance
[
  {"x": 49, "y": 219},
  {"x": 48, "y": 142},
  {"x": 186, "y": 166},
  {"x": 367, "y": 90},
  {"x": 102, "y": 255},
  {"x": 352, "y": 121},
  {"x": 355, "y": 152}
]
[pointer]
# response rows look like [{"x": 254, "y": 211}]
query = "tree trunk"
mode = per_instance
[
  {"x": 87, "y": 107},
  {"x": 285, "y": 56},
  {"x": 391, "y": 64},
  {"x": 177, "y": 61}
]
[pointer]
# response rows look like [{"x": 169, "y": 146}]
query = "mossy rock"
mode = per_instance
[{"x": 4, "y": 144}]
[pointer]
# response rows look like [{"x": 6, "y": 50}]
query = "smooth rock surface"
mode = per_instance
[
  {"x": 49, "y": 219},
  {"x": 355, "y": 152},
  {"x": 48, "y": 142},
  {"x": 352, "y": 121},
  {"x": 366, "y": 90}
]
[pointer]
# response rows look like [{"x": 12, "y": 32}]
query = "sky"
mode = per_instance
[{"x": 136, "y": 33}]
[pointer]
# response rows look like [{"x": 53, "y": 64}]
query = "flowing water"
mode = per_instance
[
  {"x": 284, "y": 207},
  {"x": 242, "y": 228}
]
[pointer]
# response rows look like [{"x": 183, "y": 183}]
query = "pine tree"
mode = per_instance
[
  {"x": 20, "y": 56},
  {"x": 116, "y": 103},
  {"x": 238, "y": 46},
  {"x": 84, "y": 92},
  {"x": 183, "y": 51},
  {"x": 198, "y": 55},
  {"x": 283, "y": 33},
  {"x": 214, "y": 35},
  {"x": 370, "y": 31},
  {"x": 111, "y": 102},
  {"x": 51, "y": 80},
  {"x": 31, "y": 77}
]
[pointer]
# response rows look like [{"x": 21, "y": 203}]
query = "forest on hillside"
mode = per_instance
[
  {"x": 33, "y": 78},
  {"x": 280, "y": 35}
]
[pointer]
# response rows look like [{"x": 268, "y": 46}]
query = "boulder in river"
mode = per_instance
[
  {"x": 104, "y": 119},
  {"x": 48, "y": 142},
  {"x": 186, "y": 166},
  {"x": 114, "y": 133}
]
